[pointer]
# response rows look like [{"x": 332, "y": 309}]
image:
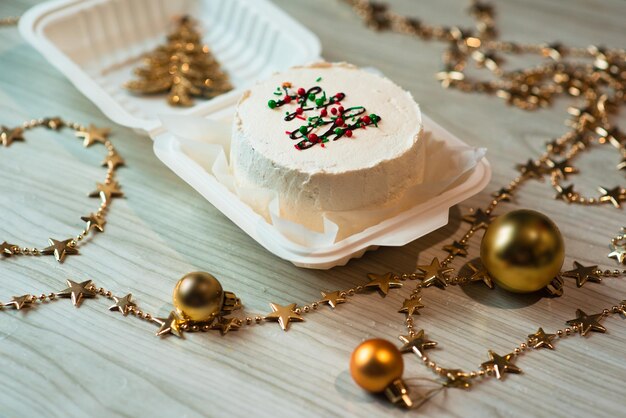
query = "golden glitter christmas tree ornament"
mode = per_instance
[
  {"x": 183, "y": 67},
  {"x": 522, "y": 251}
]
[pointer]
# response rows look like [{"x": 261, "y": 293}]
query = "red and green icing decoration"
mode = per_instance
[{"x": 331, "y": 123}]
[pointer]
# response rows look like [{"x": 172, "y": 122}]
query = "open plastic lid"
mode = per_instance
[{"x": 97, "y": 44}]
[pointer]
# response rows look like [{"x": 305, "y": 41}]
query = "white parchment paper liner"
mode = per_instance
[{"x": 207, "y": 142}]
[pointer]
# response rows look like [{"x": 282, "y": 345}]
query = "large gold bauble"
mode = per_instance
[
  {"x": 522, "y": 251},
  {"x": 375, "y": 364},
  {"x": 198, "y": 297}
]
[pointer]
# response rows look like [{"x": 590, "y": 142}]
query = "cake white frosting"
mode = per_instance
[{"x": 373, "y": 166}]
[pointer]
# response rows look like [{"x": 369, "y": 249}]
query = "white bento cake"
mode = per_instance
[{"x": 328, "y": 137}]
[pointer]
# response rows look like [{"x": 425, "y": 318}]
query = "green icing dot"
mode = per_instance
[{"x": 271, "y": 104}]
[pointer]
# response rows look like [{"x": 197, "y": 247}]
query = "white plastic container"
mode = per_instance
[{"x": 97, "y": 43}]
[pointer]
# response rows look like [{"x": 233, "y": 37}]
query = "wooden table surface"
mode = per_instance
[{"x": 60, "y": 361}]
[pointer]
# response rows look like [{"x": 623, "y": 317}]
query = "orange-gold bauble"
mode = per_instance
[{"x": 375, "y": 364}]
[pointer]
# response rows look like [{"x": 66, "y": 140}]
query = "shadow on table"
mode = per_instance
[{"x": 498, "y": 297}]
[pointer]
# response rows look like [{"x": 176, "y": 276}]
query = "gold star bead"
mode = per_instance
[
  {"x": 582, "y": 274},
  {"x": 382, "y": 282},
  {"x": 8, "y": 136},
  {"x": 416, "y": 343},
  {"x": 582, "y": 140},
  {"x": 456, "y": 378},
  {"x": 411, "y": 306},
  {"x": 77, "y": 291},
  {"x": 565, "y": 193},
  {"x": 225, "y": 325},
  {"x": 449, "y": 78},
  {"x": 456, "y": 248},
  {"x": 587, "y": 113},
  {"x": 541, "y": 340},
  {"x": 19, "y": 302},
  {"x": 169, "y": 325},
  {"x": 618, "y": 252},
  {"x": 586, "y": 323},
  {"x": 487, "y": 60},
  {"x": 614, "y": 195},
  {"x": 7, "y": 249},
  {"x": 480, "y": 274},
  {"x": 123, "y": 305},
  {"x": 434, "y": 273},
  {"x": 561, "y": 168},
  {"x": 283, "y": 315},
  {"x": 504, "y": 194},
  {"x": 107, "y": 191},
  {"x": 555, "y": 147},
  {"x": 622, "y": 308},
  {"x": 531, "y": 169},
  {"x": 92, "y": 135},
  {"x": 60, "y": 248},
  {"x": 94, "y": 221},
  {"x": 332, "y": 298},
  {"x": 113, "y": 160},
  {"x": 612, "y": 135},
  {"x": 498, "y": 365},
  {"x": 479, "y": 219}
]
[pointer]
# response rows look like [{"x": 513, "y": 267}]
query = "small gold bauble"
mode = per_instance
[
  {"x": 522, "y": 251},
  {"x": 198, "y": 297},
  {"x": 375, "y": 364}
]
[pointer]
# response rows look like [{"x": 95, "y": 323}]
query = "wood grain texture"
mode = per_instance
[{"x": 58, "y": 361}]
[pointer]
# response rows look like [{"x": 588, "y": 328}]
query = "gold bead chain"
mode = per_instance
[{"x": 106, "y": 191}]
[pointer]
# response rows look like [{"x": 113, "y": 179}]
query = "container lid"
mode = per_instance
[{"x": 97, "y": 44}]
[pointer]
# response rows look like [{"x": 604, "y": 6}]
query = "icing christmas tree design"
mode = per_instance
[{"x": 331, "y": 120}]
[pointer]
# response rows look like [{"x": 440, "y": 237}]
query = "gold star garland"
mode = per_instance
[
  {"x": 602, "y": 85},
  {"x": 284, "y": 315},
  {"x": 106, "y": 191},
  {"x": 618, "y": 247}
]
